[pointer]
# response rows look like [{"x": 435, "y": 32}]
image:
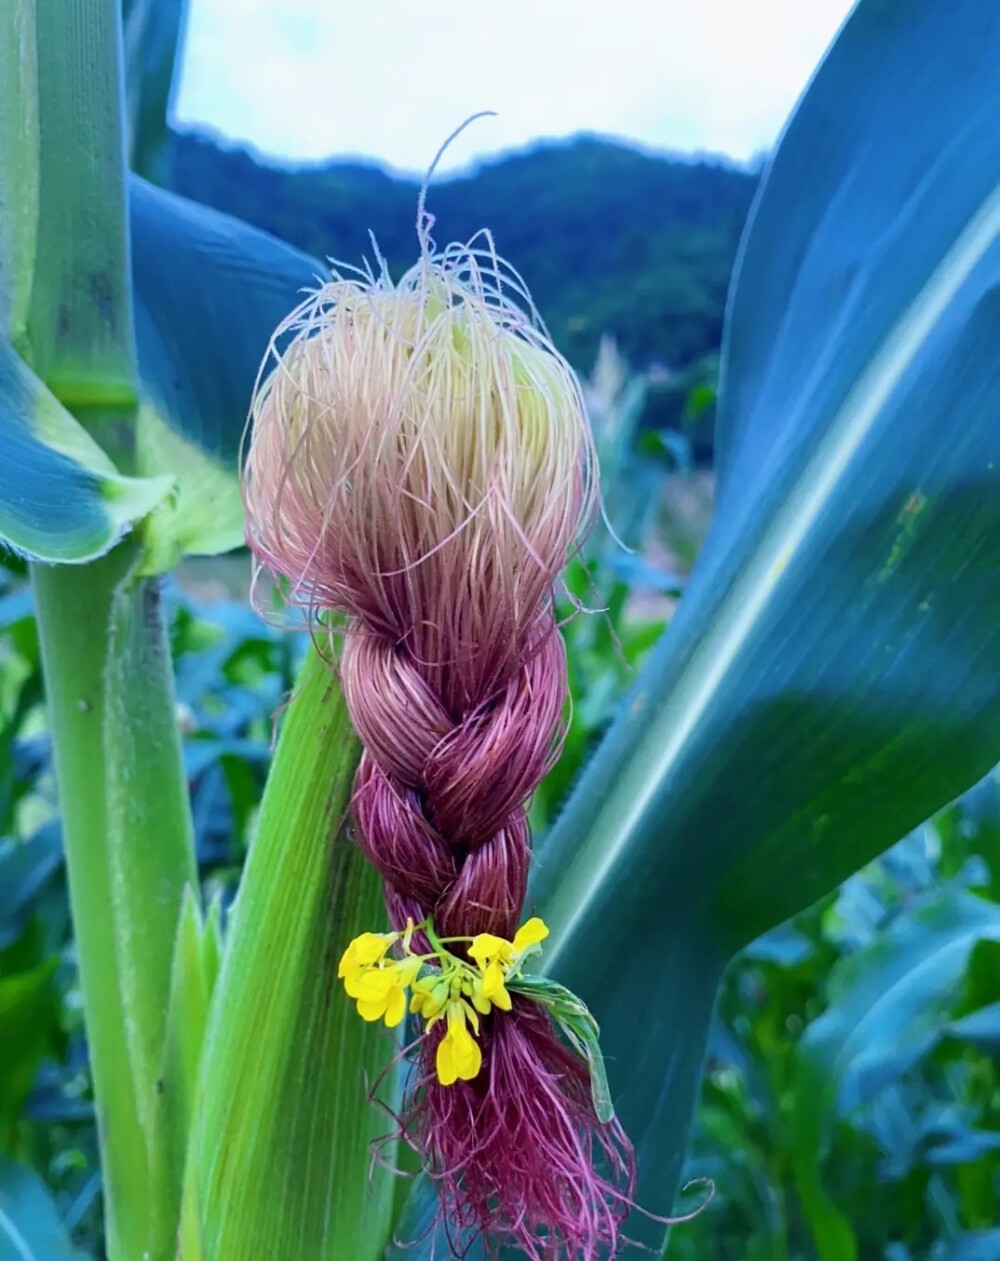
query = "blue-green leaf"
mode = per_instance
[
  {"x": 888, "y": 1006},
  {"x": 975, "y": 1245},
  {"x": 783, "y": 945},
  {"x": 64, "y": 294},
  {"x": 153, "y": 33},
  {"x": 209, "y": 293},
  {"x": 962, "y": 1149},
  {"x": 25, "y": 868},
  {"x": 29, "y": 1226},
  {"x": 61, "y": 498},
  {"x": 832, "y": 675},
  {"x": 980, "y": 1028}
]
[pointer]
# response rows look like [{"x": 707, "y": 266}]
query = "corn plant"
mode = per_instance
[{"x": 829, "y": 681}]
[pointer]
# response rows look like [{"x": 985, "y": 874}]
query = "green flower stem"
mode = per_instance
[
  {"x": 279, "y": 1161},
  {"x": 129, "y": 855}
]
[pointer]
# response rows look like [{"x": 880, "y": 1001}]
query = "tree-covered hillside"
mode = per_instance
[{"x": 609, "y": 239}]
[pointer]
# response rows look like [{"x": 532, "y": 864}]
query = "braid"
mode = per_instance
[
  {"x": 421, "y": 463},
  {"x": 441, "y": 811}
]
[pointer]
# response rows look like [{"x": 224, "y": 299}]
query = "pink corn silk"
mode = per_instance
[
  {"x": 455, "y": 678},
  {"x": 516, "y": 1151}
]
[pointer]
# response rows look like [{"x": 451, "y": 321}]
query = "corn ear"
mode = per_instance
[
  {"x": 279, "y": 1163},
  {"x": 197, "y": 954}
]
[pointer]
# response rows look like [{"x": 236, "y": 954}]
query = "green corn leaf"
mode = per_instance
[
  {"x": 279, "y": 1164},
  {"x": 19, "y": 125},
  {"x": 197, "y": 954},
  {"x": 209, "y": 292},
  {"x": 65, "y": 298},
  {"x": 154, "y": 32},
  {"x": 580, "y": 1030},
  {"x": 66, "y": 327},
  {"x": 832, "y": 676},
  {"x": 211, "y": 946},
  {"x": 30, "y": 1229},
  {"x": 29, "y": 1015},
  {"x": 60, "y": 496},
  {"x": 888, "y": 1005},
  {"x": 26, "y": 866}
]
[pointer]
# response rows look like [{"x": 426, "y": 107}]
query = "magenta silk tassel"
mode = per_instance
[{"x": 421, "y": 464}]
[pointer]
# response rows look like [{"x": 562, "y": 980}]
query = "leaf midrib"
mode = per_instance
[{"x": 752, "y": 593}]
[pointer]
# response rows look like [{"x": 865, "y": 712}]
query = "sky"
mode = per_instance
[{"x": 391, "y": 79}]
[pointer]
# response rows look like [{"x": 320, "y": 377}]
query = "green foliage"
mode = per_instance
[
  {"x": 232, "y": 671},
  {"x": 153, "y": 33},
  {"x": 829, "y": 679},
  {"x": 110, "y": 699},
  {"x": 61, "y": 497},
  {"x": 194, "y": 969},
  {"x": 831, "y": 676},
  {"x": 845, "y": 1112},
  {"x": 65, "y": 300},
  {"x": 209, "y": 292},
  {"x": 29, "y": 1227},
  {"x": 608, "y": 238}
]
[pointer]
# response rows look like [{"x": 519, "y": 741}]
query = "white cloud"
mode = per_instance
[{"x": 389, "y": 79}]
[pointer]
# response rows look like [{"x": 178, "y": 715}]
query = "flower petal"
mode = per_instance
[
  {"x": 501, "y": 997},
  {"x": 492, "y": 979},
  {"x": 485, "y": 946},
  {"x": 352, "y": 983},
  {"x": 348, "y": 962},
  {"x": 409, "y": 970},
  {"x": 479, "y": 1000},
  {"x": 447, "y": 1070},
  {"x": 372, "y": 1009},
  {"x": 530, "y": 933},
  {"x": 467, "y": 1056},
  {"x": 376, "y": 984},
  {"x": 370, "y": 947},
  {"x": 395, "y": 1008}
]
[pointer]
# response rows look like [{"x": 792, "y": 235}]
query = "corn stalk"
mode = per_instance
[{"x": 108, "y": 678}]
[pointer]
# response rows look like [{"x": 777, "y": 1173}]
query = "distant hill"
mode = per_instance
[{"x": 609, "y": 239}]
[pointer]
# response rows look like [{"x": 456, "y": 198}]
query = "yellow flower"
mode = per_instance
[
  {"x": 430, "y": 994},
  {"x": 479, "y": 1000},
  {"x": 496, "y": 956},
  {"x": 455, "y": 991},
  {"x": 530, "y": 933},
  {"x": 381, "y": 991},
  {"x": 485, "y": 947},
  {"x": 493, "y": 987},
  {"x": 361, "y": 953},
  {"x": 458, "y": 1053}
]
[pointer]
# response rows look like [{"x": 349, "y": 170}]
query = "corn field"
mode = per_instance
[{"x": 539, "y": 849}]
